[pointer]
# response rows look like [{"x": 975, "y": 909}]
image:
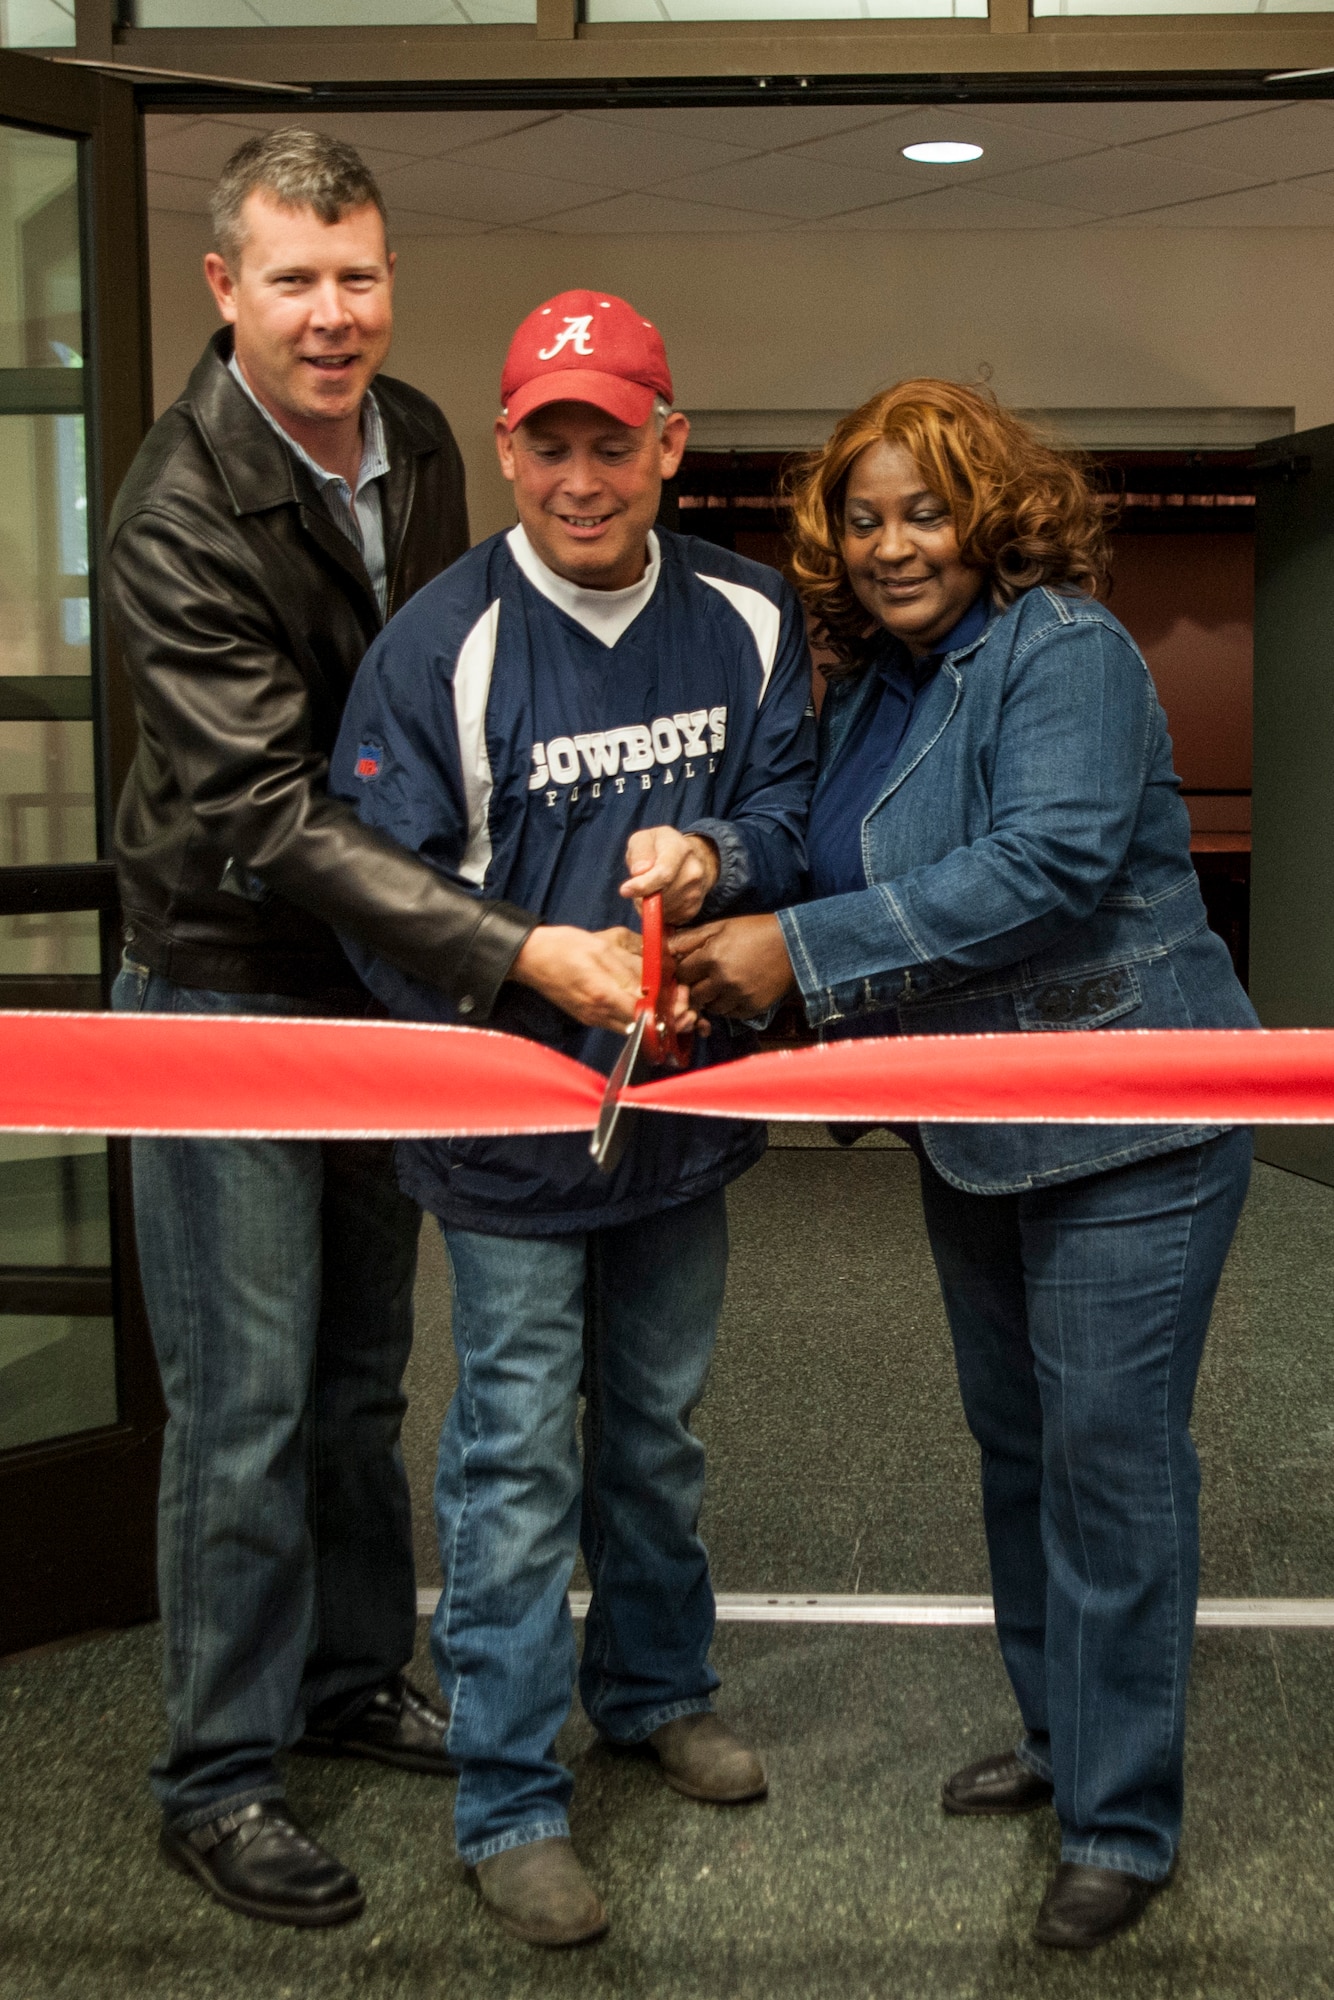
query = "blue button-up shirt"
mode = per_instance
[
  {"x": 834, "y": 835},
  {"x": 356, "y": 511}
]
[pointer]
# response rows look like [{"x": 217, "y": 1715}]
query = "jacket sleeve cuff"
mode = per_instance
[
  {"x": 474, "y": 982},
  {"x": 816, "y": 938},
  {"x": 734, "y": 867}
]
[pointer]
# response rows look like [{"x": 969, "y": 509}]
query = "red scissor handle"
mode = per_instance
[{"x": 657, "y": 986}]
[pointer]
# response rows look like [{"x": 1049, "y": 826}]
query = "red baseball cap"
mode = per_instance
[{"x": 586, "y": 347}]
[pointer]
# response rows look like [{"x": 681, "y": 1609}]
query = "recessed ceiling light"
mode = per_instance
[{"x": 943, "y": 152}]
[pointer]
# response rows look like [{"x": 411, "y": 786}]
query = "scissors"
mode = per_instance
[{"x": 650, "y": 1042}]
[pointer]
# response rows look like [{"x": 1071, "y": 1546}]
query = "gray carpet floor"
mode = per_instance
[{"x": 839, "y": 1462}]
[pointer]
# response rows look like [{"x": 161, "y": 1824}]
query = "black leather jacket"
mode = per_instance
[{"x": 243, "y": 613}]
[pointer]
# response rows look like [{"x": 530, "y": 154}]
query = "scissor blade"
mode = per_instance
[{"x": 613, "y": 1129}]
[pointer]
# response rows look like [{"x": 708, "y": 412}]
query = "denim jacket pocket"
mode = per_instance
[{"x": 1092, "y": 1002}]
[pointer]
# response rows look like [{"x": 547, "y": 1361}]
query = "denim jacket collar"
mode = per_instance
[{"x": 934, "y": 710}]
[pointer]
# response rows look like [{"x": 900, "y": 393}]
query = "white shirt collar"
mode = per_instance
[{"x": 604, "y": 613}]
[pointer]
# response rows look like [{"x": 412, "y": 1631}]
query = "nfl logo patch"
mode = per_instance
[{"x": 368, "y": 761}]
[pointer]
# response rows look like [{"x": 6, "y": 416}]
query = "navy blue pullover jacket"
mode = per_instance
[{"x": 494, "y": 735}]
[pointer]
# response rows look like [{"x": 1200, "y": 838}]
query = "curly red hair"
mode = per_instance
[{"x": 1024, "y": 513}]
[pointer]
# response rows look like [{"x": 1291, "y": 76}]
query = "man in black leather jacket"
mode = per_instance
[{"x": 274, "y": 517}]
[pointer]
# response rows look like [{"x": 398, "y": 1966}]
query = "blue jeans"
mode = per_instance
[
  {"x": 629, "y": 1316},
  {"x": 1079, "y": 1314},
  {"x": 278, "y": 1277}
]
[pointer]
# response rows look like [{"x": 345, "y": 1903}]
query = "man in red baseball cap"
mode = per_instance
[{"x": 582, "y": 711}]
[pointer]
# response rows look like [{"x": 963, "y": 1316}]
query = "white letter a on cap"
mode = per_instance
[{"x": 575, "y": 334}]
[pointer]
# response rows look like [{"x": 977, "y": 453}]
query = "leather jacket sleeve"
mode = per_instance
[{"x": 221, "y": 702}]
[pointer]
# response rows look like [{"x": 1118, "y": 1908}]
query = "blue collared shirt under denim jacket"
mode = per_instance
[{"x": 1028, "y": 867}]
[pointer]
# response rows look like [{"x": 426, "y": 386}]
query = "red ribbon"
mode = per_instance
[{"x": 281, "y": 1078}]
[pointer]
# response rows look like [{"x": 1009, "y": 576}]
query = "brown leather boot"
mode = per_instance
[
  {"x": 702, "y": 1758},
  {"x": 541, "y": 1894}
]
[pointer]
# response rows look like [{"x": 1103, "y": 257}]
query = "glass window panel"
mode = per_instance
[
  {"x": 47, "y": 802},
  {"x": 51, "y": 945},
  {"x": 333, "y": 13},
  {"x": 1181, "y": 6},
  {"x": 47, "y": 797},
  {"x": 57, "y": 1376},
  {"x": 41, "y": 323},
  {"x": 53, "y": 1200},
  {"x": 36, "y": 24},
  {"x": 57, "y": 1368},
  {"x": 785, "y": 10}
]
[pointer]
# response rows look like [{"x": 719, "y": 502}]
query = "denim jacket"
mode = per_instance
[{"x": 1029, "y": 861}]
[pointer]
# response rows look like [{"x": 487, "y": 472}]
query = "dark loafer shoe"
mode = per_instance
[
  {"x": 257, "y": 1861},
  {"x": 997, "y": 1785},
  {"x": 398, "y": 1726},
  {"x": 1084, "y": 1906}
]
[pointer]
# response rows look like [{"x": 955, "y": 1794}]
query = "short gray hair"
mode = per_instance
[{"x": 296, "y": 169}]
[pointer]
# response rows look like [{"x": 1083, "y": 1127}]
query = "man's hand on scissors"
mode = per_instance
[
  {"x": 593, "y": 975},
  {"x": 680, "y": 867}
]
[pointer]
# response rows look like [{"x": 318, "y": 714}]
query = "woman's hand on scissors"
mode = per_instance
[
  {"x": 679, "y": 867},
  {"x": 737, "y": 966}
]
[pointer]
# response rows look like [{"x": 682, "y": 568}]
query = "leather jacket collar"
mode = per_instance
[
  {"x": 259, "y": 473},
  {"x": 253, "y": 463}
]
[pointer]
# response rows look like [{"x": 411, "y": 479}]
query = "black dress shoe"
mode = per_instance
[
  {"x": 1085, "y": 1906},
  {"x": 257, "y": 1861},
  {"x": 996, "y": 1785},
  {"x": 397, "y": 1726}
]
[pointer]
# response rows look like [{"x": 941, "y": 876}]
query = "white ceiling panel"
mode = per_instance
[
  {"x": 1269, "y": 146},
  {"x": 1111, "y": 124},
  {"x": 406, "y": 222},
  {"x": 1117, "y": 182},
  {"x": 206, "y": 146},
  {"x": 480, "y": 194},
  {"x": 758, "y": 129},
  {"x": 784, "y": 184},
  {"x": 609, "y": 156},
  {"x": 969, "y": 207},
  {"x": 657, "y": 215},
  {"x": 1285, "y": 205},
  {"x": 420, "y": 133},
  {"x": 174, "y": 194},
  {"x": 1004, "y": 148},
  {"x": 661, "y": 171}
]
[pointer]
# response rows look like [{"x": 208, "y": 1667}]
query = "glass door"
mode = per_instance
[{"x": 78, "y": 1408}]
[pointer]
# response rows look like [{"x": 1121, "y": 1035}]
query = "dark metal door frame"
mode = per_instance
[{"x": 77, "y": 1513}]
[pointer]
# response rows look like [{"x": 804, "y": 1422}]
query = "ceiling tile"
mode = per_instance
[
  {"x": 781, "y": 184},
  {"x": 657, "y": 215},
  {"x": 407, "y": 222},
  {"x": 1110, "y": 124},
  {"x": 959, "y": 208},
  {"x": 609, "y": 156},
  {"x": 174, "y": 191},
  {"x": 1117, "y": 182},
  {"x": 204, "y": 146},
  {"x": 479, "y": 194},
  {"x": 1005, "y": 148},
  {"x": 420, "y": 133},
  {"x": 1284, "y": 205},
  {"x": 1267, "y": 146},
  {"x": 756, "y": 129}
]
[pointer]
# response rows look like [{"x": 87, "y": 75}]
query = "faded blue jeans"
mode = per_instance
[
  {"x": 629, "y": 1316},
  {"x": 278, "y": 1277},
  {"x": 1079, "y": 1313}
]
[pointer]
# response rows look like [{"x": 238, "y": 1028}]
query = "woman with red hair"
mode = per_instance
[{"x": 997, "y": 844}]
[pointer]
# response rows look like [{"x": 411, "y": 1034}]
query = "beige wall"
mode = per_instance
[{"x": 810, "y": 320}]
